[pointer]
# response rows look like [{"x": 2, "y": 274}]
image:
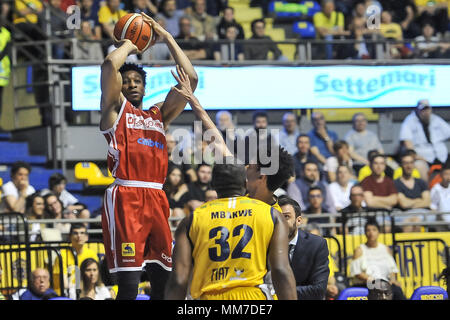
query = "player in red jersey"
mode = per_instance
[{"x": 135, "y": 213}]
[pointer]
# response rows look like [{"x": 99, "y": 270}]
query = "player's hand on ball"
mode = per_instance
[
  {"x": 160, "y": 32},
  {"x": 183, "y": 83},
  {"x": 119, "y": 43}
]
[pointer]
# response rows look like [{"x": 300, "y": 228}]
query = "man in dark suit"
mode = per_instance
[{"x": 308, "y": 254}]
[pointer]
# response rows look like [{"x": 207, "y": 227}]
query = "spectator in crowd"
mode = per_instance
[
  {"x": 214, "y": 7},
  {"x": 57, "y": 185},
  {"x": 108, "y": 15},
  {"x": 340, "y": 189},
  {"x": 54, "y": 209},
  {"x": 379, "y": 190},
  {"x": 440, "y": 194},
  {"x": 436, "y": 11},
  {"x": 139, "y": 6},
  {"x": 34, "y": 210},
  {"x": 85, "y": 48},
  {"x": 26, "y": 20},
  {"x": 90, "y": 30},
  {"x": 430, "y": 46},
  {"x": 289, "y": 133},
  {"x": 175, "y": 188},
  {"x": 204, "y": 25},
  {"x": 5, "y": 62},
  {"x": 308, "y": 254},
  {"x": 260, "y": 44},
  {"x": 316, "y": 207},
  {"x": 229, "y": 51},
  {"x": 90, "y": 15},
  {"x": 91, "y": 281},
  {"x": 321, "y": 137},
  {"x": 58, "y": 27},
  {"x": 168, "y": 11},
  {"x": 303, "y": 155},
  {"x": 360, "y": 49},
  {"x": 39, "y": 287},
  {"x": 404, "y": 13},
  {"x": 191, "y": 46},
  {"x": 224, "y": 123},
  {"x": 329, "y": 24},
  {"x": 372, "y": 261},
  {"x": 366, "y": 171},
  {"x": 189, "y": 173},
  {"x": 78, "y": 239},
  {"x": 426, "y": 133},
  {"x": 341, "y": 158},
  {"x": 298, "y": 190},
  {"x": 355, "y": 214},
  {"x": 381, "y": 291},
  {"x": 15, "y": 192},
  {"x": 159, "y": 50},
  {"x": 259, "y": 137},
  {"x": 393, "y": 31},
  {"x": 413, "y": 193},
  {"x": 195, "y": 196},
  {"x": 361, "y": 141},
  {"x": 227, "y": 20},
  {"x": 26, "y": 17}
]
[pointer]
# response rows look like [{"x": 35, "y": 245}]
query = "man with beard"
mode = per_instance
[
  {"x": 168, "y": 11},
  {"x": 308, "y": 254},
  {"x": 135, "y": 213},
  {"x": 425, "y": 133}
]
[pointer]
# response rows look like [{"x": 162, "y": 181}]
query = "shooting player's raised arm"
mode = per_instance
[{"x": 111, "y": 83}]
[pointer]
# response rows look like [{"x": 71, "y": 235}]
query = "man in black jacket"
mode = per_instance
[{"x": 308, "y": 254}]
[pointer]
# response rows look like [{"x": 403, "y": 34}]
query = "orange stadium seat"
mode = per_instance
[{"x": 91, "y": 174}]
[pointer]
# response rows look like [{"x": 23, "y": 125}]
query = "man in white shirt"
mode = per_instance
[
  {"x": 426, "y": 133},
  {"x": 440, "y": 194},
  {"x": 340, "y": 189},
  {"x": 18, "y": 189}
]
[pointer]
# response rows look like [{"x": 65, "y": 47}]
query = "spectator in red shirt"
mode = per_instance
[{"x": 379, "y": 190}]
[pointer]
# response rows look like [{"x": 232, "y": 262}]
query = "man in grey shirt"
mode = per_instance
[{"x": 361, "y": 141}]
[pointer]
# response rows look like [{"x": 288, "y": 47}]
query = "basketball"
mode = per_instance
[{"x": 131, "y": 26}]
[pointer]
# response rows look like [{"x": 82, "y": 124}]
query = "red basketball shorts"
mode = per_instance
[{"x": 136, "y": 228}]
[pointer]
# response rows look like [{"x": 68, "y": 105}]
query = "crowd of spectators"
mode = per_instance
[
  {"x": 199, "y": 23},
  {"x": 54, "y": 202},
  {"x": 332, "y": 182},
  {"x": 333, "y": 174}
]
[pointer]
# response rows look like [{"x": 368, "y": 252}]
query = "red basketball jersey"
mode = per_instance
[{"x": 137, "y": 145}]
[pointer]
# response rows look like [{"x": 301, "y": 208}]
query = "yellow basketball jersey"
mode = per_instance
[{"x": 230, "y": 238}]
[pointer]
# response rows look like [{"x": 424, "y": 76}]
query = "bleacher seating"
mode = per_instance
[
  {"x": 90, "y": 173},
  {"x": 354, "y": 293},
  {"x": 304, "y": 29},
  {"x": 429, "y": 293}
]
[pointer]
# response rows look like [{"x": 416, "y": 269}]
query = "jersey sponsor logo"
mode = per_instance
[
  {"x": 231, "y": 215},
  {"x": 128, "y": 249},
  {"x": 141, "y": 123},
  {"x": 238, "y": 274},
  {"x": 150, "y": 143},
  {"x": 167, "y": 258}
]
